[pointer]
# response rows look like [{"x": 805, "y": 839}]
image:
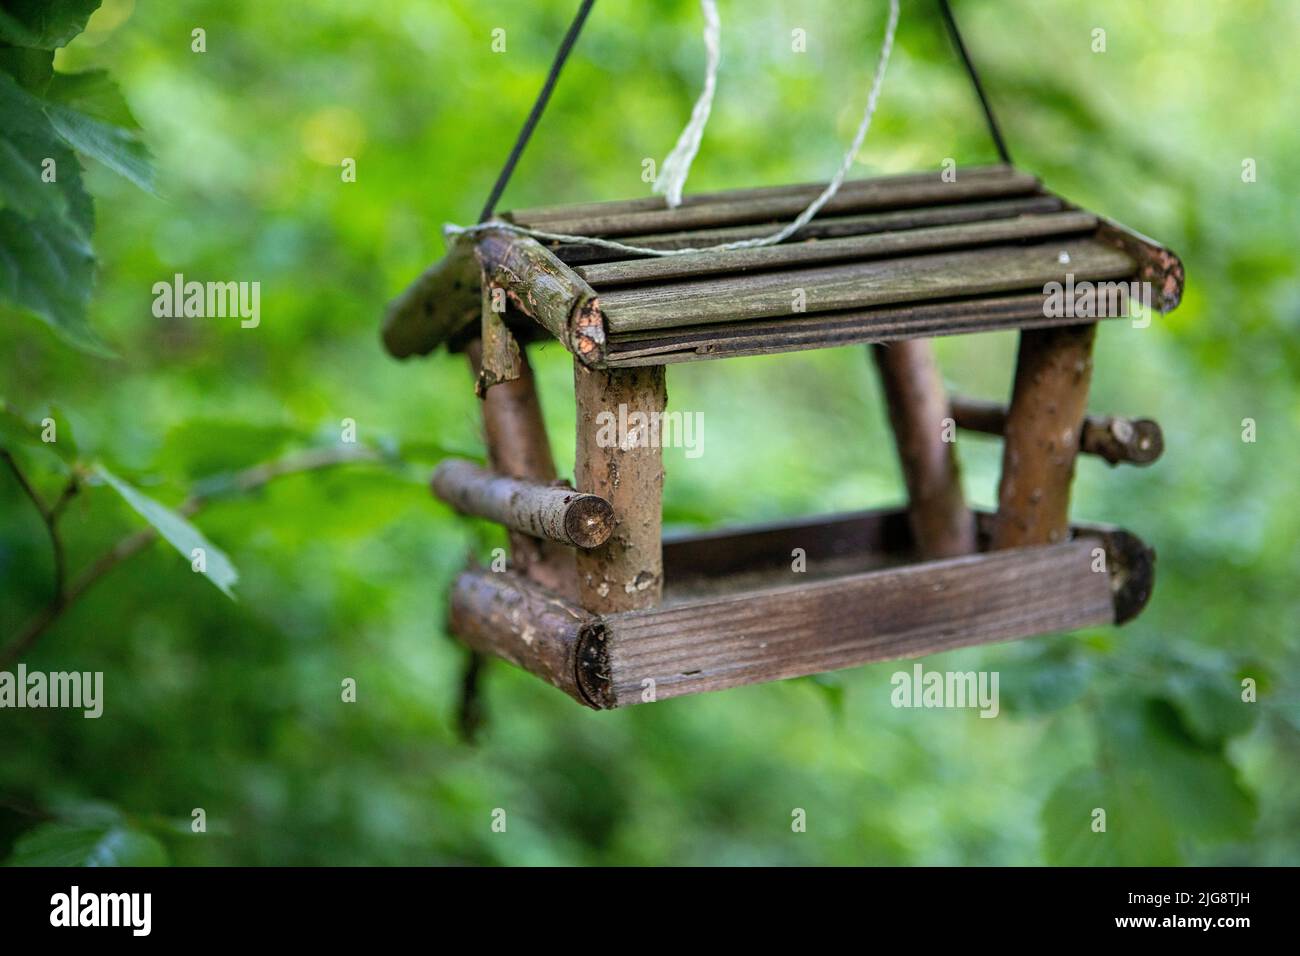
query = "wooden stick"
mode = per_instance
[
  {"x": 1011, "y": 268},
  {"x": 1137, "y": 441},
  {"x": 436, "y": 306},
  {"x": 539, "y": 215},
  {"x": 619, "y": 458},
  {"x": 849, "y": 248},
  {"x": 517, "y": 446},
  {"x": 871, "y": 195},
  {"x": 508, "y": 616},
  {"x": 546, "y": 290},
  {"x": 1156, "y": 265},
  {"x": 918, "y": 406},
  {"x": 830, "y": 227},
  {"x": 1050, "y": 397},
  {"x": 553, "y": 512},
  {"x": 500, "y": 355},
  {"x": 880, "y": 324}
]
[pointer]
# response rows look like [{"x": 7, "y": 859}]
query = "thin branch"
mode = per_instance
[
  {"x": 50, "y": 517},
  {"x": 26, "y": 485},
  {"x": 243, "y": 482}
]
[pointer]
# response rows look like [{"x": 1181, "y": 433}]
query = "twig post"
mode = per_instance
[
  {"x": 619, "y": 458},
  {"x": 1048, "y": 403},
  {"x": 518, "y": 448},
  {"x": 942, "y": 525}
]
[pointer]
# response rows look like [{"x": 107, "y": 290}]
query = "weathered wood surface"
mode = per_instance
[
  {"x": 500, "y": 358},
  {"x": 770, "y": 547},
  {"x": 537, "y": 215},
  {"x": 1156, "y": 264},
  {"x": 546, "y": 290},
  {"x": 874, "y": 538},
  {"x": 517, "y": 446},
  {"x": 1136, "y": 441},
  {"x": 505, "y": 615},
  {"x": 621, "y": 461},
  {"x": 881, "y": 324},
  {"x": 1041, "y": 437},
  {"x": 911, "y": 611},
  {"x": 828, "y": 227},
  {"x": 796, "y": 626},
  {"x": 860, "y": 284},
  {"x": 441, "y": 305},
  {"x": 869, "y": 194},
  {"x": 551, "y": 511},
  {"x": 942, "y": 525},
  {"x": 850, "y": 248},
  {"x": 436, "y": 306}
]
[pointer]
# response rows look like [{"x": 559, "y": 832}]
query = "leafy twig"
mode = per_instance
[{"x": 242, "y": 482}]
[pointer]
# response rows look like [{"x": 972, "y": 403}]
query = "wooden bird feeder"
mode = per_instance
[{"x": 598, "y": 603}]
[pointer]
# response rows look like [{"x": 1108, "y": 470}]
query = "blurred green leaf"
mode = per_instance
[
  {"x": 830, "y": 689},
  {"x": 204, "y": 446},
  {"x": 94, "y": 93},
  {"x": 32, "y": 68},
  {"x": 182, "y": 535},
  {"x": 1193, "y": 785},
  {"x": 60, "y": 844},
  {"x": 1159, "y": 788},
  {"x": 120, "y": 149},
  {"x": 1135, "y": 835},
  {"x": 46, "y": 261},
  {"x": 47, "y": 24},
  {"x": 1209, "y": 703},
  {"x": 23, "y": 438},
  {"x": 27, "y": 141},
  {"x": 1042, "y": 676}
]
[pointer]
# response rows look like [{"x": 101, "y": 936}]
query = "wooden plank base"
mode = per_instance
[{"x": 735, "y": 611}]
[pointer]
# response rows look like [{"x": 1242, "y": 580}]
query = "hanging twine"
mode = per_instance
[{"x": 677, "y": 165}]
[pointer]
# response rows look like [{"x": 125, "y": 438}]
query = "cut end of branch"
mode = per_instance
[{"x": 589, "y": 521}]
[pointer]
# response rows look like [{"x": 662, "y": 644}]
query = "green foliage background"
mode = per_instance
[{"x": 235, "y": 707}]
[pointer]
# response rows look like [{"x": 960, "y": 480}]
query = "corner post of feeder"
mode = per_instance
[
  {"x": 942, "y": 525},
  {"x": 518, "y": 447},
  {"x": 1042, "y": 436},
  {"x": 619, "y": 457}
]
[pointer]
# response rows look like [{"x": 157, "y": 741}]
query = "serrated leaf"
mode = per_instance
[
  {"x": 49, "y": 270},
  {"x": 27, "y": 140},
  {"x": 61, "y": 844},
  {"x": 46, "y": 263},
  {"x": 47, "y": 24},
  {"x": 94, "y": 93},
  {"x": 119, "y": 149},
  {"x": 177, "y": 531}
]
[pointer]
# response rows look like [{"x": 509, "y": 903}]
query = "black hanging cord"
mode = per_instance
[
  {"x": 994, "y": 130},
  {"x": 571, "y": 37},
  {"x": 530, "y": 124}
]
